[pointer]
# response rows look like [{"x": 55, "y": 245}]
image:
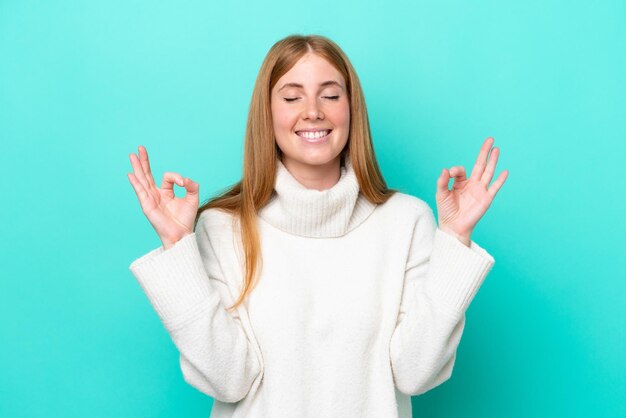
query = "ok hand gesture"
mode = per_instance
[
  {"x": 171, "y": 217},
  {"x": 460, "y": 209}
]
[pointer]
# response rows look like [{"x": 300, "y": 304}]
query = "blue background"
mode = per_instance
[{"x": 82, "y": 84}]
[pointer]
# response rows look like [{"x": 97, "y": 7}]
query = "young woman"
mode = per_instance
[{"x": 310, "y": 289}]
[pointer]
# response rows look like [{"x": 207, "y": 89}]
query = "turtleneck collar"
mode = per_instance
[{"x": 312, "y": 213}]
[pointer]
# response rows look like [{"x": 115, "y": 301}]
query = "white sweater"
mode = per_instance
[{"x": 358, "y": 307}]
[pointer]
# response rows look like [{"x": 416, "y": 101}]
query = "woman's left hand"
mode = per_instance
[{"x": 460, "y": 209}]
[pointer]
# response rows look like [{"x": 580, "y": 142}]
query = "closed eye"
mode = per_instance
[{"x": 292, "y": 99}]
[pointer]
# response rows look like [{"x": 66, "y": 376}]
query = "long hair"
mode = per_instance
[{"x": 244, "y": 199}]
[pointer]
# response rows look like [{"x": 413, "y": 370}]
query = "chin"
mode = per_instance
[{"x": 312, "y": 160}]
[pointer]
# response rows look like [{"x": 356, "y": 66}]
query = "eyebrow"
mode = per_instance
[{"x": 324, "y": 84}]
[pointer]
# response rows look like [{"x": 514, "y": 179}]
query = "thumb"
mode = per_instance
[{"x": 442, "y": 182}]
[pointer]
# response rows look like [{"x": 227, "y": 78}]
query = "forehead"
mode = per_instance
[{"x": 310, "y": 71}]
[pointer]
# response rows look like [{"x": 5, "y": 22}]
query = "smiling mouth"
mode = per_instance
[{"x": 314, "y": 136}]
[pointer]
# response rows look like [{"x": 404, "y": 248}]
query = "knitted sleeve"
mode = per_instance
[
  {"x": 442, "y": 277},
  {"x": 186, "y": 289}
]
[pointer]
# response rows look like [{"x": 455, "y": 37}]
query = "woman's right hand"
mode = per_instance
[{"x": 171, "y": 217}]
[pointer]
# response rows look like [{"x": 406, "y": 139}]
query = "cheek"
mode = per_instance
[
  {"x": 282, "y": 118},
  {"x": 344, "y": 116}
]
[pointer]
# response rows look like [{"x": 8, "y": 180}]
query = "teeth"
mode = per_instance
[{"x": 313, "y": 135}]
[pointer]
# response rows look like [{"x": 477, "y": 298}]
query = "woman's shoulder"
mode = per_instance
[
  {"x": 401, "y": 214},
  {"x": 403, "y": 203},
  {"x": 216, "y": 220}
]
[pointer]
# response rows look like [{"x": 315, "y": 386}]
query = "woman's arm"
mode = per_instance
[
  {"x": 441, "y": 278},
  {"x": 186, "y": 289}
]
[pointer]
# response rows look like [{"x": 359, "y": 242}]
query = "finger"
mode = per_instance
[
  {"x": 458, "y": 173},
  {"x": 145, "y": 163},
  {"x": 493, "y": 189},
  {"x": 442, "y": 182},
  {"x": 491, "y": 166},
  {"x": 138, "y": 171},
  {"x": 192, "y": 189},
  {"x": 169, "y": 179},
  {"x": 481, "y": 161},
  {"x": 142, "y": 195}
]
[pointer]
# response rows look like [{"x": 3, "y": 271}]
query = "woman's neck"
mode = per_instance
[
  {"x": 307, "y": 212},
  {"x": 314, "y": 177}
]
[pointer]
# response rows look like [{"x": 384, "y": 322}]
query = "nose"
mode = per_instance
[{"x": 312, "y": 110}]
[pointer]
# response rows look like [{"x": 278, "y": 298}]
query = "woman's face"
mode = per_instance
[{"x": 311, "y": 113}]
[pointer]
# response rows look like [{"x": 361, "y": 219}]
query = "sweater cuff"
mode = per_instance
[
  {"x": 456, "y": 270},
  {"x": 174, "y": 280}
]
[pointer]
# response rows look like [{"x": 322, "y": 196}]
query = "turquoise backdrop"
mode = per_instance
[{"x": 83, "y": 83}]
